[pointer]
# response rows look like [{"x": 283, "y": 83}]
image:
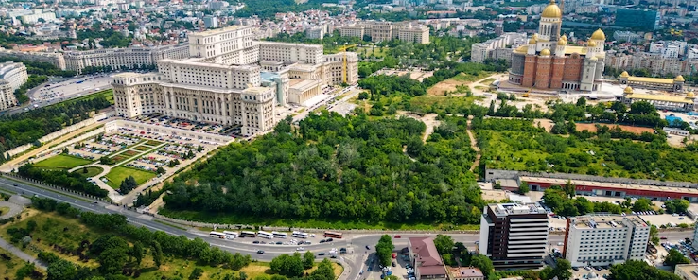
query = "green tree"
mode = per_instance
[
  {"x": 642, "y": 204},
  {"x": 639, "y": 270},
  {"x": 562, "y": 270},
  {"x": 242, "y": 275},
  {"x": 674, "y": 257},
  {"x": 482, "y": 262},
  {"x": 524, "y": 188},
  {"x": 127, "y": 185},
  {"x": 61, "y": 270},
  {"x": 196, "y": 273},
  {"x": 384, "y": 249},
  {"x": 654, "y": 235},
  {"x": 444, "y": 244},
  {"x": 309, "y": 259},
  {"x": 157, "y": 252},
  {"x": 677, "y": 206},
  {"x": 581, "y": 102},
  {"x": 137, "y": 251},
  {"x": 324, "y": 271}
]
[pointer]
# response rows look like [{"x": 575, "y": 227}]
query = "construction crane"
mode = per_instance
[{"x": 344, "y": 49}]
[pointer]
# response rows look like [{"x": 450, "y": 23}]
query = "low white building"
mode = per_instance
[{"x": 605, "y": 239}]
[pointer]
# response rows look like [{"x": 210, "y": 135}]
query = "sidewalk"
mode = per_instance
[{"x": 17, "y": 252}]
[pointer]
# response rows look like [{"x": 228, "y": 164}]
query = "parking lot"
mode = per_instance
[
  {"x": 71, "y": 88},
  {"x": 400, "y": 267}
]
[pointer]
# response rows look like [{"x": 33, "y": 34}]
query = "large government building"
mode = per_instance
[
  {"x": 548, "y": 62},
  {"x": 230, "y": 79},
  {"x": 12, "y": 76}
]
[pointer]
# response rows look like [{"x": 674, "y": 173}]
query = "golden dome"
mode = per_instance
[
  {"x": 544, "y": 52},
  {"x": 594, "y": 59},
  {"x": 691, "y": 94},
  {"x": 679, "y": 79},
  {"x": 564, "y": 37},
  {"x": 552, "y": 11},
  {"x": 591, "y": 43},
  {"x": 533, "y": 39},
  {"x": 598, "y": 35},
  {"x": 628, "y": 90},
  {"x": 624, "y": 74},
  {"x": 562, "y": 41}
]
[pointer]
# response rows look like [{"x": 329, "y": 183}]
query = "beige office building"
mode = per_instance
[
  {"x": 119, "y": 58},
  {"x": 232, "y": 80},
  {"x": 387, "y": 31}
]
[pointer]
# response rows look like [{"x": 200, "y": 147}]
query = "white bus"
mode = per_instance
[
  {"x": 230, "y": 234},
  {"x": 299, "y": 234},
  {"x": 264, "y": 234},
  {"x": 279, "y": 234},
  {"x": 217, "y": 234},
  {"x": 247, "y": 234}
]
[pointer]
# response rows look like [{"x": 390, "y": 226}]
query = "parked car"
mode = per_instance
[
  {"x": 367, "y": 247},
  {"x": 256, "y": 242},
  {"x": 261, "y": 252},
  {"x": 397, "y": 236}
]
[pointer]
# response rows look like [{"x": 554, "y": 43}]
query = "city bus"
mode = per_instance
[
  {"x": 332, "y": 234},
  {"x": 264, "y": 234},
  {"x": 230, "y": 234},
  {"x": 247, "y": 234},
  {"x": 279, "y": 234},
  {"x": 299, "y": 234},
  {"x": 217, "y": 234}
]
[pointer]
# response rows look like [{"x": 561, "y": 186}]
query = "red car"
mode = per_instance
[{"x": 397, "y": 236}]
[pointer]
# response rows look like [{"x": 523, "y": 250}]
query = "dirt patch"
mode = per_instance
[
  {"x": 591, "y": 127},
  {"x": 448, "y": 85},
  {"x": 547, "y": 124},
  {"x": 493, "y": 195},
  {"x": 429, "y": 119}
]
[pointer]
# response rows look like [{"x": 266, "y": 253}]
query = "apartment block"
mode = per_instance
[
  {"x": 498, "y": 48},
  {"x": 387, "y": 31},
  {"x": 53, "y": 58},
  {"x": 514, "y": 235},
  {"x": 605, "y": 239},
  {"x": 12, "y": 76}
]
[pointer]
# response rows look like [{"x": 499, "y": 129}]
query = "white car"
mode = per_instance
[{"x": 300, "y": 249}]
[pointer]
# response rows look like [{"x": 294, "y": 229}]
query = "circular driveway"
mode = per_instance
[{"x": 14, "y": 209}]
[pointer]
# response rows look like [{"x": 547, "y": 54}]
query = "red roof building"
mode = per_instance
[{"x": 425, "y": 258}]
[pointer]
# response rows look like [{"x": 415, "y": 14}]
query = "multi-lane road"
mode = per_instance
[{"x": 354, "y": 262}]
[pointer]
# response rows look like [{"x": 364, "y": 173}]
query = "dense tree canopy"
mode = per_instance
[
  {"x": 26, "y": 128},
  {"x": 336, "y": 167},
  {"x": 639, "y": 270}
]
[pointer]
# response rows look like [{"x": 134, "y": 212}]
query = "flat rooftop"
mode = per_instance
[
  {"x": 690, "y": 191},
  {"x": 512, "y": 208},
  {"x": 218, "y": 30},
  {"x": 605, "y": 221},
  {"x": 691, "y": 270}
]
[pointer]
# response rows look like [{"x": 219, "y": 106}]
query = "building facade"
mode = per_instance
[
  {"x": 387, "y": 31},
  {"x": 672, "y": 85},
  {"x": 464, "y": 273},
  {"x": 498, "y": 48},
  {"x": 53, "y": 58},
  {"x": 123, "y": 58},
  {"x": 12, "y": 76},
  {"x": 646, "y": 19},
  {"x": 514, "y": 235},
  {"x": 676, "y": 103},
  {"x": 214, "y": 86},
  {"x": 547, "y": 62},
  {"x": 687, "y": 271},
  {"x": 599, "y": 240}
]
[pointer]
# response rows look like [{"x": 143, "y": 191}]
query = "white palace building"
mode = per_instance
[{"x": 230, "y": 79}]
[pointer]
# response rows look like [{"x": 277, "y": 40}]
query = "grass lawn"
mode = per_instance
[
  {"x": 153, "y": 143},
  {"x": 9, "y": 264},
  {"x": 119, "y": 158},
  {"x": 142, "y": 148},
  {"x": 92, "y": 171},
  {"x": 367, "y": 51},
  {"x": 53, "y": 229},
  {"x": 130, "y": 153},
  {"x": 4, "y": 210},
  {"x": 119, "y": 173},
  {"x": 62, "y": 161},
  {"x": 487, "y": 81},
  {"x": 469, "y": 78},
  {"x": 335, "y": 224}
]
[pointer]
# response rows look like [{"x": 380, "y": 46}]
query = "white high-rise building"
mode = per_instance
[
  {"x": 12, "y": 76},
  {"x": 605, "y": 239}
]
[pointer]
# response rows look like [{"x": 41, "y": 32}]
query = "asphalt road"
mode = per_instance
[{"x": 354, "y": 262}]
